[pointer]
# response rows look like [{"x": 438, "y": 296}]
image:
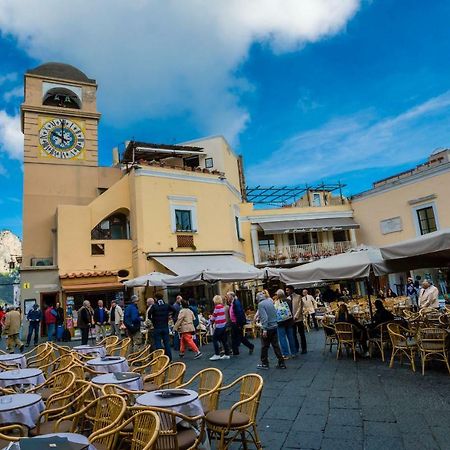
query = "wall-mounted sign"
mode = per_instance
[
  {"x": 26, "y": 285},
  {"x": 391, "y": 225}
]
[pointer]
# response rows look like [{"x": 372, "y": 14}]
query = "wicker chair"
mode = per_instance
[
  {"x": 6, "y": 438},
  {"x": 142, "y": 353},
  {"x": 174, "y": 375},
  {"x": 58, "y": 384},
  {"x": 109, "y": 340},
  {"x": 402, "y": 343},
  {"x": 345, "y": 333},
  {"x": 42, "y": 359},
  {"x": 98, "y": 417},
  {"x": 330, "y": 336},
  {"x": 229, "y": 425},
  {"x": 60, "y": 406},
  {"x": 122, "y": 347},
  {"x": 207, "y": 382},
  {"x": 156, "y": 368},
  {"x": 36, "y": 351},
  {"x": 379, "y": 339},
  {"x": 171, "y": 436},
  {"x": 60, "y": 364},
  {"x": 144, "y": 361},
  {"x": 161, "y": 378},
  {"x": 145, "y": 426},
  {"x": 433, "y": 344}
]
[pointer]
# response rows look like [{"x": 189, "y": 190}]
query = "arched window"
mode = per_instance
[
  {"x": 62, "y": 98},
  {"x": 115, "y": 226}
]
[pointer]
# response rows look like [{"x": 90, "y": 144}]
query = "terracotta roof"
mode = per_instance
[{"x": 105, "y": 273}]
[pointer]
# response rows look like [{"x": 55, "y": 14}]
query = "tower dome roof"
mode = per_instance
[{"x": 61, "y": 70}]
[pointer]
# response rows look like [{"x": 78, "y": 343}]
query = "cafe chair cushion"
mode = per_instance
[
  {"x": 220, "y": 417},
  {"x": 186, "y": 439},
  {"x": 48, "y": 427}
]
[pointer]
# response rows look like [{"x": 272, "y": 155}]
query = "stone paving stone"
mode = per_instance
[
  {"x": 378, "y": 414},
  {"x": 345, "y": 417},
  {"x": 381, "y": 429},
  {"x": 310, "y": 423},
  {"x": 271, "y": 440},
  {"x": 282, "y": 412},
  {"x": 340, "y": 444},
  {"x": 383, "y": 442},
  {"x": 423, "y": 442},
  {"x": 344, "y": 403},
  {"x": 344, "y": 432},
  {"x": 303, "y": 440},
  {"x": 275, "y": 425}
]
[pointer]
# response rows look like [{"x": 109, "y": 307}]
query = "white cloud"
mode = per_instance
[
  {"x": 157, "y": 58},
  {"x": 357, "y": 142},
  {"x": 6, "y": 78},
  {"x": 13, "y": 93},
  {"x": 11, "y": 137}
]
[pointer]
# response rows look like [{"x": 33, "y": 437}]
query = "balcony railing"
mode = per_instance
[{"x": 292, "y": 254}]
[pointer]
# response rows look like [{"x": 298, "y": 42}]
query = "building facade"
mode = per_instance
[{"x": 406, "y": 205}]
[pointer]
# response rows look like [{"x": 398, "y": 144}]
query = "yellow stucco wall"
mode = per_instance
[{"x": 371, "y": 209}]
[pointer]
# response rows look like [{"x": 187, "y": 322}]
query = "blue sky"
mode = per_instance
[{"x": 307, "y": 91}]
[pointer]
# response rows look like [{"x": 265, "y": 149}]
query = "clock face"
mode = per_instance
[{"x": 61, "y": 138}]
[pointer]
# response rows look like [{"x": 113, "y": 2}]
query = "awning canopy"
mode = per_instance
[
  {"x": 429, "y": 250},
  {"x": 192, "y": 268},
  {"x": 354, "y": 264},
  {"x": 150, "y": 279},
  {"x": 299, "y": 226}
]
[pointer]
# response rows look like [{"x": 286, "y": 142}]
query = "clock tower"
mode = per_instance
[{"x": 60, "y": 123}]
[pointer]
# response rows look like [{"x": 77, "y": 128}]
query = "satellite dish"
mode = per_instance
[{"x": 123, "y": 273}]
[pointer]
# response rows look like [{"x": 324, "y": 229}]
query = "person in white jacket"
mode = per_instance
[
  {"x": 310, "y": 306},
  {"x": 115, "y": 319},
  {"x": 428, "y": 296}
]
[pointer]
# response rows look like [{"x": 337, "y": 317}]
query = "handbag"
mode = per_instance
[{"x": 283, "y": 311}]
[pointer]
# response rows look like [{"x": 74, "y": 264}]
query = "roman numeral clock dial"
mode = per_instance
[{"x": 61, "y": 138}]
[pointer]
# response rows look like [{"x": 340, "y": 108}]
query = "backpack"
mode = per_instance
[{"x": 283, "y": 311}]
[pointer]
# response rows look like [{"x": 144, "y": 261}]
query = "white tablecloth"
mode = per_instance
[
  {"x": 23, "y": 409},
  {"x": 135, "y": 384},
  {"x": 13, "y": 359},
  {"x": 118, "y": 365},
  {"x": 91, "y": 349},
  {"x": 189, "y": 405},
  {"x": 21, "y": 376}
]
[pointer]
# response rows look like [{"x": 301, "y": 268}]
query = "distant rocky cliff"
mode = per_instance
[{"x": 10, "y": 249}]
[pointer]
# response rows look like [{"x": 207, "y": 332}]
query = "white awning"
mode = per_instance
[{"x": 191, "y": 268}]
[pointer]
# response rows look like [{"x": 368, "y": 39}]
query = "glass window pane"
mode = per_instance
[{"x": 183, "y": 220}]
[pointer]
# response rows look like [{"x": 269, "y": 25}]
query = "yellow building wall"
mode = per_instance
[
  {"x": 74, "y": 244},
  {"x": 370, "y": 210}
]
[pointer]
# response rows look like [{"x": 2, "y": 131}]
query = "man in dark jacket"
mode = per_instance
[
  {"x": 132, "y": 320},
  {"x": 159, "y": 315},
  {"x": 238, "y": 321},
  {"x": 85, "y": 321},
  {"x": 34, "y": 317}
]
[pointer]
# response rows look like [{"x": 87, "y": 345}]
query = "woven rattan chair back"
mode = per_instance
[
  {"x": 434, "y": 344},
  {"x": 173, "y": 375},
  {"x": 157, "y": 370}
]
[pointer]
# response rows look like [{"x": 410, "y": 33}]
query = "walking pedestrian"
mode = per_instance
[
  {"x": 50, "y": 316},
  {"x": 115, "y": 319},
  {"x": 34, "y": 317},
  {"x": 238, "y": 320},
  {"x": 148, "y": 322},
  {"x": 132, "y": 320},
  {"x": 185, "y": 326},
  {"x": 428, "y": 296},
  {"x": 269, "y": 336},
  {"x": 59, "y": 322},
  {"x": 298, "y": 311},
  {"x": 11, "y": 329},
  {"x": 285, "y": 325},
  {"x": 220, "y": 333},
  {"x": 177, "y": 308},
  {"x": 101, "y": 318},
  {"x": 159, "y": 315},
  {"x": 85, "y": 321},
  {"x": 411, "y": 292},
  {"x": 310, "y": 307}
]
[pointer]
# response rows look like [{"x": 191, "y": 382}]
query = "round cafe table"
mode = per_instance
[
  {"x": 21, "y": 376},
  {"x": 14, "y": 359},
  {"x": 91, "y": 349},
  {"x": 109, "y": 366},
  {"x": 71, "y": 437},
  {"x": 21, "y": 408},
  {"x": 132, "y": 384},
  {"x": 189, "y": 405}
]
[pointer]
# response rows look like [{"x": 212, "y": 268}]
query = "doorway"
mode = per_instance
[{"x": 47, "y": 299}]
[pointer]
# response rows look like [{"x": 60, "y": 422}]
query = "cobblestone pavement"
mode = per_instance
[{"x": 321, "y": 403}]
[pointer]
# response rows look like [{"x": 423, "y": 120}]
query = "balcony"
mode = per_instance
[{"x": 298, "y": 254}]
